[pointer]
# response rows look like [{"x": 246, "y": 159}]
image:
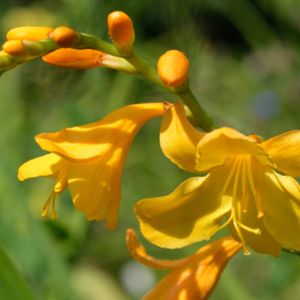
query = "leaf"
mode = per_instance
[{"x": 12, "y": 284}]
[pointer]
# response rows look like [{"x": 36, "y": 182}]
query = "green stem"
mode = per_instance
[
  {"x": 199, "y": 115},
  {"x": 202, "y": 119},
  {"x": 43, "y": 47},
  {"x": 147, "y": 71},
  {"x": 92, "y": 42}
]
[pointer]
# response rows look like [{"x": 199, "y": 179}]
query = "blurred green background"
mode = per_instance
[{"x": 245, "y": 69}]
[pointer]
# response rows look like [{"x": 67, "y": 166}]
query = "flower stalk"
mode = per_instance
[{"x": 133, "y": 64}]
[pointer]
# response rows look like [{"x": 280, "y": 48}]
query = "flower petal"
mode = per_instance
[
  {"x": 197, "y": 277},
  {"x": 74, "y": 58},
  {"x": 179, "y": 139},
  {"x": 191, "y": 213},
  {"x": 46, "y": 165},
  {"x": 281, "y": 201},
  {"x": 95, "y": 139},
  {"x": 216, "y": 146},
  {"x": 284, "y": 150},
  {"x": 138, "y": 252},
  {"x": 95, "y": 186}
]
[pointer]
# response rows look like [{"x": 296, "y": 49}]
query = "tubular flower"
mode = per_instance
[
  {"x": 190, "y": 278},
  {"x": 89, "y": 160},
  {"x": 245, "y": 189}
]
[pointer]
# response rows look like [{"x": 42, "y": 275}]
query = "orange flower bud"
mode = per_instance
[
  {"x": 64, "y": 36},
  {"x": 121, "y": 31},
  {"x": 15, "y": 48},
  {"x": 73, "y": 58},
  {"x": 173, "y": 68},
  {"x": 32, "y": 33}
]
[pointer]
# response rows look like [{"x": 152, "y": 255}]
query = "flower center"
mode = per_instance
[{"x": 241, "y": 186}]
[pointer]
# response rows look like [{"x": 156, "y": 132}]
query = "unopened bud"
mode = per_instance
[
  {"x": 87, "y": 59},
  {"x": 15, "y": 48},
  {"x": 173, "y": 68},
  {"x": 73, "y": 58},
  {"x": 64, "y": 36},
  {"x": 31, "y": 33},
  {"x": 121, "y": 31}
]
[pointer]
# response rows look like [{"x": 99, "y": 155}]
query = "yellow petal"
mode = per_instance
[
  {"x": 74, "y": 58},
  {"x": 220, "y": 144},
  {"x": 138, "y": 252},
  {"x": 46, "y": 165},
  {"x": 197, "y": 277},
  {"x": 284, "y": 150},
  {"x": 192, "y": 212},
  {"x": 95, "y": 186},
  {"x": 281, "y": 201},
  {"x": 179, "y": 139},
  {"x": 96, "y": 139}
]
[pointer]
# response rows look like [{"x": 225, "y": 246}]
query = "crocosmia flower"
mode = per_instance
[
  {"x": 190, "y": 278},
  {"x": 249, "y": 187},
  {"x": 89, "y": 160}
]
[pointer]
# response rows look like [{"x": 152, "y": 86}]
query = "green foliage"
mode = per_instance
[{"x": 12, "y": 285}]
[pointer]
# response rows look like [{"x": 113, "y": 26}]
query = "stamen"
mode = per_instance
[
  {"x": 236, "y": 204},
  {"x": 245, "y": 193},
  {"x": 237, "y": 228},
  {"x": 45, "y": 210},
  {"x": 228, "y": 180},
  {"x": 61, "y": 182},
  {"x": 249, "y": 229},
  {"x": 256, "y": 194},
  {"x": 259, "y": 206},
  {"x": 50, "y": 206},
  {"x": 226, "y": 223},
  {"x": 53, "y": 210}
]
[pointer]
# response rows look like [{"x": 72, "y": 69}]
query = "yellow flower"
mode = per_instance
[
  {"x": 89, "y": 160},
  {"x": 190, "y": 278},
  {"x": 245, "y": 188}
]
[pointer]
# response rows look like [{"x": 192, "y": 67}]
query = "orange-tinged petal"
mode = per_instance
[
  {"x": 281, "y": 200},
  {"x": 138, "y": 252},
  {"x": 74, "y": 58},
  {"x": 46, "y": 165},
  {"x": 96, "y": 139},
  {"x": 179, "y": 139},
  {"x": 220, "y": 144},
  {"x": 31, "y": 33},
  {"x": 284, "y": 151},
  {"x": 193, "y": 212},
  {"x": 191, "y": 278}
]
